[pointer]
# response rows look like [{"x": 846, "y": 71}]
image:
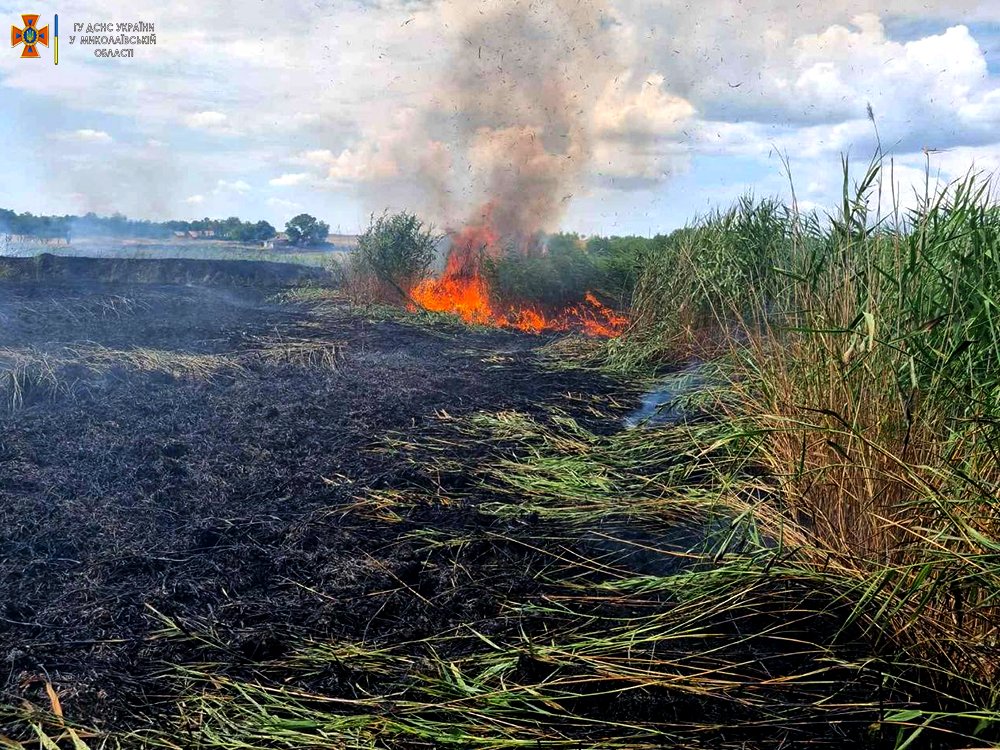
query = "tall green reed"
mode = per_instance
[{"x": 865, "y": 343}]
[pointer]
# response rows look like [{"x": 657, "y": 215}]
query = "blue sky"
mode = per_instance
[{"x": 339, "y": 109}]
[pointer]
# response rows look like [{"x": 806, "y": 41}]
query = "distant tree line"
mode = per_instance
[
  {"x": 35, "y": 226},
  {"x": 226, "y": 229},
  {"x": 573, "y": 265},
  {"x": 118, "y": 225}
]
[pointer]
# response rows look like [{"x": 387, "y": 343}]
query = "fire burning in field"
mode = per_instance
[
  {"x": 511, "y": 130},
  {"x": 463, "y": 290}
]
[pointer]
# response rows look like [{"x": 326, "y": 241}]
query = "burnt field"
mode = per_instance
[
  {"x": 238, "y": 513},
  {"x": 188, "y": 451}
]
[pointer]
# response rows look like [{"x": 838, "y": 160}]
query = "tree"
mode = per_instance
[
  {"x": 230, "y": 229},
  {"x": 306, "y": 230},
  {"x": 248, "y": 232},
  {"x": 394, "y": 253},
  {"x": 262, "y": 230}
]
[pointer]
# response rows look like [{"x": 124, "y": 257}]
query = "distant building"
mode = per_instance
[{"x": 278, "y": 241}]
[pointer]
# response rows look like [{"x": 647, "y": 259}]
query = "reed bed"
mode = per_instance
[{"x": 865, "y": 346}]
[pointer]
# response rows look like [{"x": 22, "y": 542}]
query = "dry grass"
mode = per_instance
[
  {"x": 31, "y": 374},
  {"x": 299, "y": 352},
  {"x": 727, "y": 633}
]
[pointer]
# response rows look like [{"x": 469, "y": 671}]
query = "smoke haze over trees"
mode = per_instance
[{"x": 118, "y": 225}]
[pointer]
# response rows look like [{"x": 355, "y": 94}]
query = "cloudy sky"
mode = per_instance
[{"x": 343, "y": 107}]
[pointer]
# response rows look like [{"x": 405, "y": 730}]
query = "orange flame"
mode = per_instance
[{"x": 463, "y": 291}]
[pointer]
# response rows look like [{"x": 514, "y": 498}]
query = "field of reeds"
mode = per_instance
[{"x": 861, "y": 351}]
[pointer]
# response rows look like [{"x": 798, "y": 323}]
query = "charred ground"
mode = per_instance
[{"x": 211, "y": 495}]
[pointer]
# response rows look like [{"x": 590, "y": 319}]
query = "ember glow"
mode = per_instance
[{"x": 463, "y": 290}]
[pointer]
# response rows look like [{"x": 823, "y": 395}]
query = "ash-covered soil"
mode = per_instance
[{"x": 185, "y": 453}]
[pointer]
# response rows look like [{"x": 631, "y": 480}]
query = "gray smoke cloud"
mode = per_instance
[
  {"x": 534, "y": 101},
  {"x": 527, "y": 77}
]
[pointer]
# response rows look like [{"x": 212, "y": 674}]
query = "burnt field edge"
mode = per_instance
[
  {"x": 51, "y": 269},
  {"x": 150, "y": 478}
]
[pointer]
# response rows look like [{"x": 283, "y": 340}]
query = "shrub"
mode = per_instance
[{"x": 393, "y": 255}]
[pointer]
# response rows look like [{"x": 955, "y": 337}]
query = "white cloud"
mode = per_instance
[
  {"x": 195, "y": 200},
  {"x": 322, "y": 157},
  {"x": 210, "y": 121},
  {"x": 621, "y": 165},
  {"x": 86, "y": 135},
  {"x": 645, "y": 110},
  {"x": 206, "y": 119},
  {"x": 369, "y": 161},
  {"x": 956, "y": 162},
  {"x": 291, "y": 179},
  {"x": 237, "y": 186},
  {"x": 816, "y": 69}
]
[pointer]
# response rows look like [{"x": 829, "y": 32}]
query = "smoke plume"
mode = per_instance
[
  {"x": 526, "y": 80},
  {"x": 505, "y": 133}
]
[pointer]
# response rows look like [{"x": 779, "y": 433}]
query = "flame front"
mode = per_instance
[{"x": 462, "y": 290}]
